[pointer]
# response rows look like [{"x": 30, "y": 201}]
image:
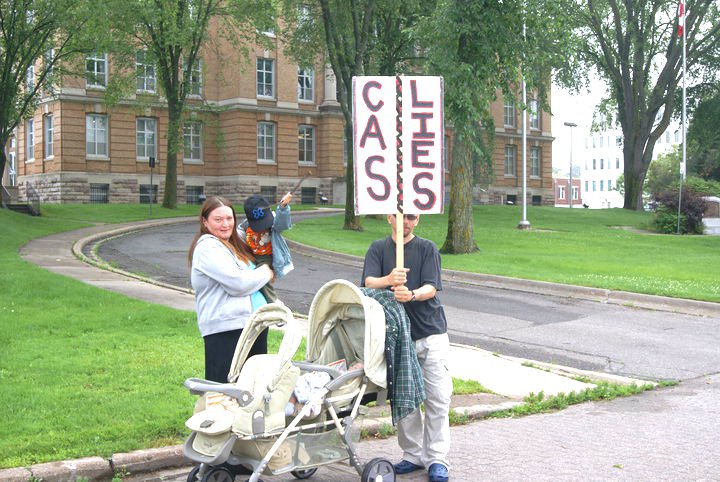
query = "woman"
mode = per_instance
[{"x": 226, "y": 285}]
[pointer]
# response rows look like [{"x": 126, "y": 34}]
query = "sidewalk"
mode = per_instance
[{"x": 509, "y": 379}]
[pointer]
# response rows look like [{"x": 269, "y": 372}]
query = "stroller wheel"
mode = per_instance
[
  {"x": 378, "y": 470},
  {"x": 218, "y": 474},
  {"x": 193, "y": 475},
  {"x": 304, "y": 474}
]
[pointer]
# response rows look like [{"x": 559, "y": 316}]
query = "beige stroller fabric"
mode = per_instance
[{"x": 344, "y": 323}]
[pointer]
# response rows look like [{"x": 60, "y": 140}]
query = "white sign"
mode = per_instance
[{"x": 377, "y": 125}]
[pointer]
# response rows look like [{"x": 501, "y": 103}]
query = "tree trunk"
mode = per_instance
[
  {"x": 461, "y": 233},
  {"x": 3, "y": 160},
  {"x": 173, "y": 147},
  {"x": 352, "y": 222}
]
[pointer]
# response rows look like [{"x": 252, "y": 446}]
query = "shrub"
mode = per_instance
[
  {"x": 692, "y": 208},
  {"x": 703, "y": 187}
]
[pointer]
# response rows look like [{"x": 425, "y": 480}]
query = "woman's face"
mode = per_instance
[{"x": 220, "y": 222}]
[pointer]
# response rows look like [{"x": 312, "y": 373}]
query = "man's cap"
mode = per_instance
[{"x": 258, "y": 213}]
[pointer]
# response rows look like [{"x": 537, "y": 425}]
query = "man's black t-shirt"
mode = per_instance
[{"x": 423, "y": 259}]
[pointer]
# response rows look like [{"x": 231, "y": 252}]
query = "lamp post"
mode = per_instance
[{"x": 570, "y": 194}]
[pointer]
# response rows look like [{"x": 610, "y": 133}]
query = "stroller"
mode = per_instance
[{"x": 277, "y": 416}]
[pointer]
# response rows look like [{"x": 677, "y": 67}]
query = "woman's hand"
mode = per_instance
[{"x": 269, "y": 270}]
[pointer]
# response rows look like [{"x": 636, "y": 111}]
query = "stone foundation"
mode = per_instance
[{"x": 62, "y": 188}]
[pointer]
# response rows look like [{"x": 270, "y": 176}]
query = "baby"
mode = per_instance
[{"x": 261, "y": 231}]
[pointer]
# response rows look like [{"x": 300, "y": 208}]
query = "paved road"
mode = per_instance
[{"x": 582, "y": 334}]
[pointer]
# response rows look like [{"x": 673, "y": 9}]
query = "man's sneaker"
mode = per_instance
[
  {"x": 405, "y": 467},
  {"x": 437, "y": 473}
]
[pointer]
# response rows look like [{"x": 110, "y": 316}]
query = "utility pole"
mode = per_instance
[{"x": 570, "y": 187}]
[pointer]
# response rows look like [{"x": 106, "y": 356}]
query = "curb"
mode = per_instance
[{"x": 79, "y": 246}]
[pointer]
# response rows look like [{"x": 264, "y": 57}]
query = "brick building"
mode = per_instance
[{"x": 255, "y": 124}]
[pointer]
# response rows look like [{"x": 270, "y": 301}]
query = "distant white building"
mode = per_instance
[{"x": 601, "y": 163}]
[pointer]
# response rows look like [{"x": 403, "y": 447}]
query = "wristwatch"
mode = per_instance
[{"x": 413, "y": 295}]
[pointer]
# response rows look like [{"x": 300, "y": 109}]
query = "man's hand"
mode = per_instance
[
  {"x": 397, "y": 277},
  {"x": 402, "y": 294},
  {"x": 286, "y": 199}
]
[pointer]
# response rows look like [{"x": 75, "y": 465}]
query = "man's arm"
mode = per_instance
[{"x": 396, "y": 277}]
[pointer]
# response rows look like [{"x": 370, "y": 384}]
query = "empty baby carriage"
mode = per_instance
[{"x": 277, "y": 416}]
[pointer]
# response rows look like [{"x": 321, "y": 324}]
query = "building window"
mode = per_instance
[
  {"x": 146, "y": 191},
  {"x": 30, "y": 79},
  {"x": 602, "y": 185},
  {"x": 265, "y": 78},
  {"x": 99, "y": 193},
  {"x": 561, "y": 192},
  {"x": 677, "y": 135},
  {"x": 575, "y": 193},
  {"x": 266, "y": 142},
  {"x": 194, "y": 194},
  {"x": 534, "y": 115},
  {"x": 594, "y": 164},
  {"x": 192, "y": 141},
  {"x": 602, "y": 141},
  {"x": 618, "y": 141},
  {"x": 48, "y": 60},
  {"x": 667, "y": 137},
  {"x": 536, "y": 200},
  {"x": 308, "y": 195},
  {"x": 145, "y": 71},
  {"x": 195, "y": 80},
  {"x": 609, "y": 184},
  {"x": 305, "y": 84},
  {"x": 96, "y": 70},
  {"x": 602, "y": 164},
  {"x": 509, "y": 113},
  {"x": 594, "y": 186},
  {"x": 96, "y": 139},
  {"x": 145, "y": 138},
  {"x": 30, "y": 140},
  {"x": 48, "y": 136},
  {"x": 509, "y": 160},
  {"x": 306, "y": 144},
  {"x": 617, "y": 163},
  {"x": 535, "y": 162},
  {"x": 269, "y": 193}
]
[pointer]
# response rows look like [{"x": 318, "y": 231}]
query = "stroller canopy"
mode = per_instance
[{"x": 343, "y": 323}]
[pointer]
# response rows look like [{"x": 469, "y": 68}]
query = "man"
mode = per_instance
[{"x": 425, "y": 444}]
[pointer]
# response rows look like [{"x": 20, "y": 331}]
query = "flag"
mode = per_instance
[{"x": 681, "y": 18}]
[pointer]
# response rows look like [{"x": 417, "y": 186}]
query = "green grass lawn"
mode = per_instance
[
  {"x": 88, "y": 372},
  {"x": 598, "y": 248},
  {"x": 85, "y": 371}
]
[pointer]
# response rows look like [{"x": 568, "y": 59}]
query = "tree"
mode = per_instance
[
  {"x": 703, "y": 138},
  {"x": 173, "y": 32},
  {"x": 479, "y": 48},
  {"x": 40, "y": 40},
  {"x": 634, "y": 47},
  {"x": 362, "y": 37}
]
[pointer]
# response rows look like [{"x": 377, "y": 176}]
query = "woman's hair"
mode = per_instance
[{"x": 236, "y": 245}]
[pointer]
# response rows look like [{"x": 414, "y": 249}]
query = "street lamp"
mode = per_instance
[{"x": 570, "y": 194}]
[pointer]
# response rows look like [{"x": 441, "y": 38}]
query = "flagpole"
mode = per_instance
[
  {"x": 524, "y": 223},
  {"x": 681, "y": 21}
]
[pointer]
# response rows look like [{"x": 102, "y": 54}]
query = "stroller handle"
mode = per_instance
[{"x": 198, "y": 386}]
